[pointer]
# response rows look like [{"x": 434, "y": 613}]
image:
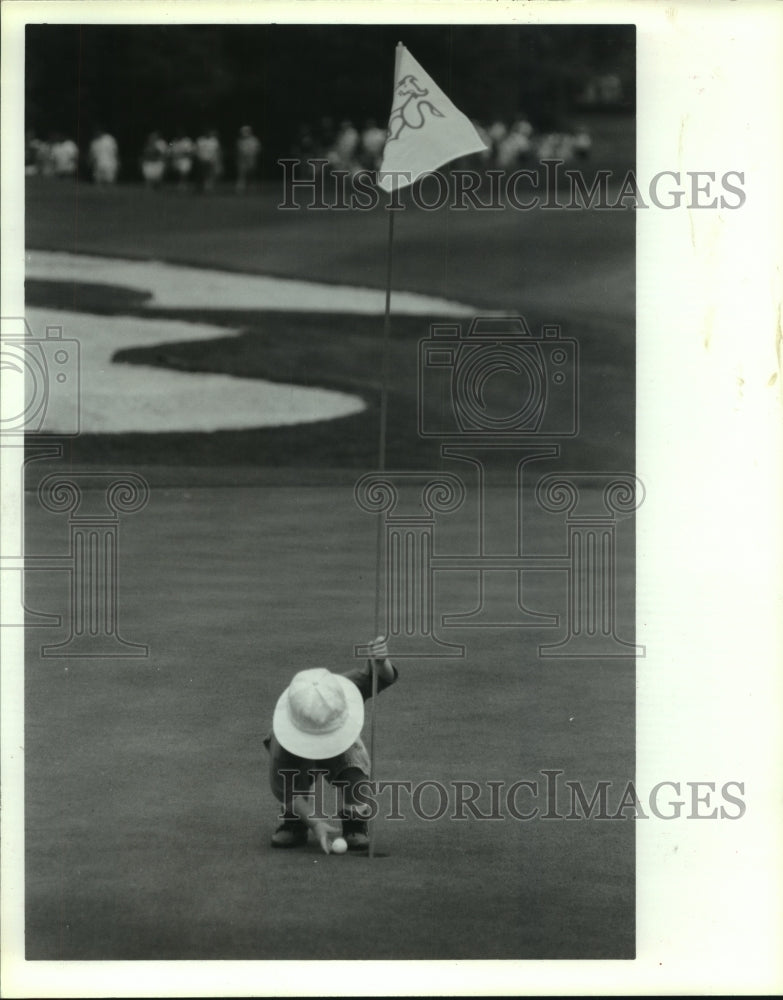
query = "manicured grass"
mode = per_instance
[
  {"x": 344, "y": 352},
  {"x": 572, "y": 268},
  {"x": 148, "y": 811},
  {"x": 577, "y": 262}
]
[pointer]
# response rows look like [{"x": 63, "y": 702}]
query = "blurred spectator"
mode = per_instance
[
  {"x": 521, "y": 131},
  {"x": 514, "y": 148},
  {"x": 153, "y": 160},
  {"x": 34, "y": 150},
  {"x": 104, "y": 158},
  {"x": 583, "y": 143},
  {"x": 565, "y": 149},
  {"x": 181, "y": 151},
  {"x": 44, "y": 157},
  {"x": 373, "y": 140},
  {"x": 606, "y": 90},
  {"x": 209, "y": 159},
  {"x": 248, "y": 152},
  {"x": 497, "y": 132},
  {"x": 346, "y": 148},
  {"x": 509, "y": 146},
  {"x": 64, "y": 157},
  {"x": 523, "y": 126},
  {"x": 548, "y": 146},
  {"x": 610, "y": 88},
  {"x": 556, "y": 146}
]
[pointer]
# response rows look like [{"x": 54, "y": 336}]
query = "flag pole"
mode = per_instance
[
  {"x": 379, "y": 536},
  {"x": 384, "y": 413}
]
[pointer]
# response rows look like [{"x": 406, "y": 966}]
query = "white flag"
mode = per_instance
[{"x": 425, "y": 129}]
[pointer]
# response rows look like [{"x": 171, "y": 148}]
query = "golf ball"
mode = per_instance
[{"x": 339, "y": 846}]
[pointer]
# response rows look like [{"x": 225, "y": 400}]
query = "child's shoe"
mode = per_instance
[
  {"x": 355, "y": 834},
  {"x": 290, "y": 833}
]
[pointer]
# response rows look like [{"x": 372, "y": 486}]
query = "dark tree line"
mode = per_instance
[{"x": 131, "y": 79}]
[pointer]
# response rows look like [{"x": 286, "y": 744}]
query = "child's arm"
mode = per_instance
[{"x": 302, "y": 806}]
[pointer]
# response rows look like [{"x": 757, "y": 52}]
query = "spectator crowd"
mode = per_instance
[
  {"x": 509, "y": 144},
  {"x": 196, "y": 164},
  {"x": 200, "y": 164}
]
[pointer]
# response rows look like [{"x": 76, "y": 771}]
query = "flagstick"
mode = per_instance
[
  {"x": 381, "y": 466},
  {"x": 384, "y": 409},
  {"x": 380, "y": 523},
  {"x": 464, "y": 143}
]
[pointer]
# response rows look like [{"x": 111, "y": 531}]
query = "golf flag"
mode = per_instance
[{"x": 425, "y": 129}]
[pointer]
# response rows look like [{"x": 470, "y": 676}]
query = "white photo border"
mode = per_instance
[{"x": 709, "y": 539}]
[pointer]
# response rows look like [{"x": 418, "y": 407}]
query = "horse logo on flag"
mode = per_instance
[
  {"x": 410, "y": 114},
  {"x": 431, "y": 130}
]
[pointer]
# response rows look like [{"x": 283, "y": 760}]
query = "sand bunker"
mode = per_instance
[
  {"x": 120, "y": 398},
  {"x": 176, "y": 287},
  {"x": 116, "y": 398}
]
